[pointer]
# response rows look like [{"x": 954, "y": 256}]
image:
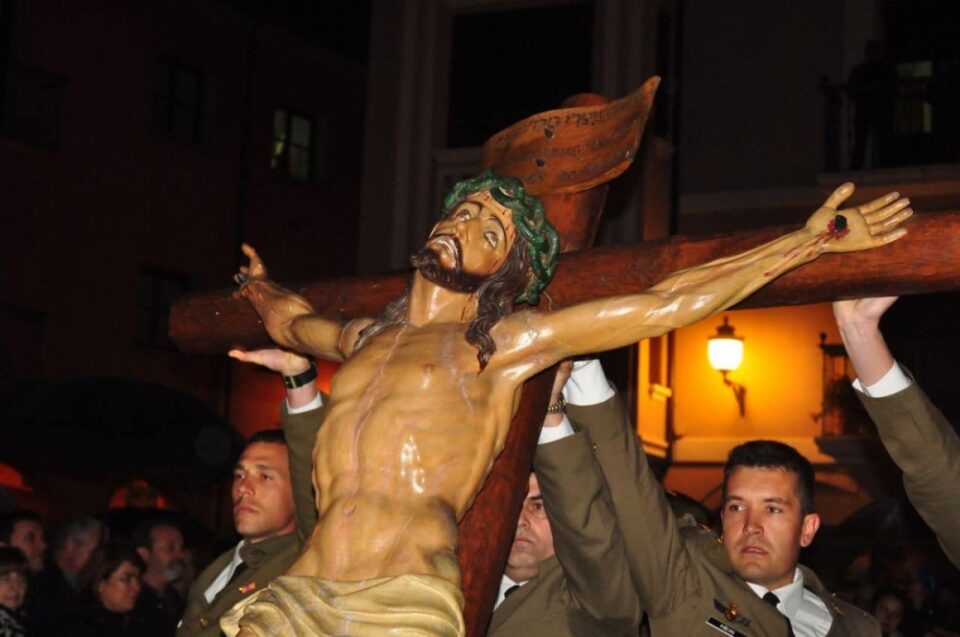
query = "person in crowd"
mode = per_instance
[
  {"x": 915, "y": 433},
  {"x": 191, "y": 568},
  {"x": 107, "y": 593},
  {"x": 889, "y": 607},
  {"x": 24, "y": 530},
  {"x": 159, "y": 543},
  {"x": 14, "y": 574},
  {"x": 747, "y": 581},
  {"x": 53, "y": 591}
]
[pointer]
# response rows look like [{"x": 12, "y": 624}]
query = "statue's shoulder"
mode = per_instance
[{"x": 350, "y": 336}]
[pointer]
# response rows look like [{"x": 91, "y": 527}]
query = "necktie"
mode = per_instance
[
  {"x": 240, "y": 570},
  {"x": 773, "y": 600},
  {"x": 510, "y": 591}
]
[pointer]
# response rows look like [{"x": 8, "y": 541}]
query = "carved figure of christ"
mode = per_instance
[{"x": 414, "y": 419}]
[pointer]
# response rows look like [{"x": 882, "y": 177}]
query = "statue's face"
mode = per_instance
[{"x": 475, "y": 237}]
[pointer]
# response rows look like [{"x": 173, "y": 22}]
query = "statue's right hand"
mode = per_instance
[
  {"x": 278, "y": 360},
  {"x": 255, "y": 270}
]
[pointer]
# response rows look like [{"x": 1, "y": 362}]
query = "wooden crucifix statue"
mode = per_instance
[{"x": 423, "y": 401}]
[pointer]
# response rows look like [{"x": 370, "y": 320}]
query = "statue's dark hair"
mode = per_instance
[
  {"x": 525, "y": 272},
  {"x": 770, "y": 454}
]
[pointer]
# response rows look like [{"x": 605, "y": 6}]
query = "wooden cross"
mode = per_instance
[{"x": 566, "y": 157}]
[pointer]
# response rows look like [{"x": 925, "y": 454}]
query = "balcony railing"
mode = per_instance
[
  {"x": 31, "y": 106},
  {"x": 902, "y": 122}
]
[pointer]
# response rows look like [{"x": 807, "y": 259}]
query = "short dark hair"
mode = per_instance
[
  {"x": 143, "y": 534},
  {"x": 8, "y": 522},
  {"x": 770, "y": 454},
  {"x": 269, "y": 436},
  {"x": 101, "y": 565},
  {"x": 12, "y": 560}
]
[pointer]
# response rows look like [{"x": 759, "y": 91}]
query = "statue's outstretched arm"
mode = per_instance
[
  {"x": 288, "y": 317},
  {"x": 690, "y": 295}
]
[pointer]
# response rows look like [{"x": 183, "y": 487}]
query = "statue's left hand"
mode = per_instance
[
  {"x": 277, "y": 306},
  {"x": 255, "y": 270},
  {"x": 868, "y": 226}
]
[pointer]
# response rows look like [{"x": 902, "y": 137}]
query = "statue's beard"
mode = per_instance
[{"x": 427, "y": 262}]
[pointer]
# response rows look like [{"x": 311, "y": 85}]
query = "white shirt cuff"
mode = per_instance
[
  {"x": 588, "y": 385},
  {"x": 892, "y": 382},
  {"x": 316, "y": 403},
  {"x": 549, "y": 434}
]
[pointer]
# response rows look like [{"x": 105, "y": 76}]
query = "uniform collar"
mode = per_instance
[{"x": 253, "y": 555}]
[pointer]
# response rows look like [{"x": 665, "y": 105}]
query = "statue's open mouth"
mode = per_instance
[{"x": 452, "y": 244}]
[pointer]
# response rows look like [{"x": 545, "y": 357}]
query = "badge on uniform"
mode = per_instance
[
  {"x": 716, "y": 624},
  {"x": 731, "y": 612}
]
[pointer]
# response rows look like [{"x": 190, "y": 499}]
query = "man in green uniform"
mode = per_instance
[
  {"x": 745, "y": 583},
  {"x": 915, "y": 433},
  {"x": 272, "y": 504}
]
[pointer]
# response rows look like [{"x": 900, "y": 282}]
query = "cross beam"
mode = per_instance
[{"x": 926, "y": 260}]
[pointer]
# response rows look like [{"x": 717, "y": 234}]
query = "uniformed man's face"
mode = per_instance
[
  {"x": 474, "y": 238},
  {"x": 262, "y": 495},
  {"x": 533, "y": 542},
  {"x": 763, "y": 526}
]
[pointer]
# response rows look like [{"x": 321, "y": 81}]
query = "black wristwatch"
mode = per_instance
[{"x": 301, "y": 379}]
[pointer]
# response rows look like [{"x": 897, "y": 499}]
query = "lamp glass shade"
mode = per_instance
[{"x": 725, "y": 353}]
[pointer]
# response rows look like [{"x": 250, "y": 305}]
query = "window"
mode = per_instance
[
  {"x": 291, "y": 153},
  {"x": 177, "y": 101},
  {"x": 157, "y": 289}
]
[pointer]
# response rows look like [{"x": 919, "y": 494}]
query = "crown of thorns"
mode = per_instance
[{"x": 529, "y": 218}]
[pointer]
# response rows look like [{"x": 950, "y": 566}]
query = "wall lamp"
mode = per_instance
[{"x": 725, "y": 352}]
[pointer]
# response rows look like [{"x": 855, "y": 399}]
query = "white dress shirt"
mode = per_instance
[
  {"x": 807, "y": 613},
  {"x": 221, "y": 581},
  {"x": 891, "y": 382},
  {"x": 505, "y": 583}
]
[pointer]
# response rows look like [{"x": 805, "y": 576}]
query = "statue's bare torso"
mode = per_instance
[{"x": 410, "y": 432}]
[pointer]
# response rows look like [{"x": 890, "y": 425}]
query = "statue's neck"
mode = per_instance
[{"x": 431, "y": 303}]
